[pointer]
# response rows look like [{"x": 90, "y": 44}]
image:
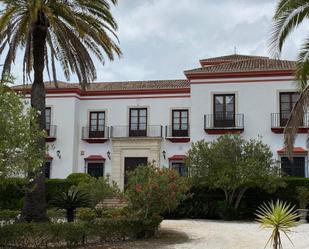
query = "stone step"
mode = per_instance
[{"x": 112, "y": 203}]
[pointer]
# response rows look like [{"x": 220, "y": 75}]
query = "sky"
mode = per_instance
[{"x": 162, "y": 38}]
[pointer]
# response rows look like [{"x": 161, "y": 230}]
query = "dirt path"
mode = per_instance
[{"x": 205, "y": 234}]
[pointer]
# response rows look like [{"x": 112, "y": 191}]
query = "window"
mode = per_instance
[
  {"x": 97, "y": 125},
  {"x": 138, "y": 122},
  {"x": 180, "y": 168},
  {"x": 47, "y": 120},
  {"x": 296, "y": 167},
  {"x": 224, "y": 110},
  {"x": 95, "y": 169},
  {"x": 287, "y": 102},
  {"x": 180, "y": 123},
  {"x": 47, "y": 169}
]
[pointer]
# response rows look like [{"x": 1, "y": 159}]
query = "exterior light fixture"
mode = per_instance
[
  {"x": 164, "y": 154},
  {"x": 59, "y": 154},
  {"x": 109, "y": 155}
]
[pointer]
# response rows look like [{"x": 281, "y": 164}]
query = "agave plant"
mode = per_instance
[
  {"x": 70, "y": 200},
  {"x": 280, "y": 217}
]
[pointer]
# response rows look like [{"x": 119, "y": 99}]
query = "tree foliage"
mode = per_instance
[
  {"x": 18, "y": 135},
  {"x": 233, "y": 165},
  {"x": 76, "y": 29}
]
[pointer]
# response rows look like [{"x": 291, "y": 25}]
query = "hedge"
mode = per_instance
[
  {"x": 209, "y": 204},
  {"x": 12, "y": 191},
  {"x": 69, "y": 235}
]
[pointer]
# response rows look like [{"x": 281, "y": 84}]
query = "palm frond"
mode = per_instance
[
  {"x": 289, "y": 14},
  {"x": 295, "y": 120}
]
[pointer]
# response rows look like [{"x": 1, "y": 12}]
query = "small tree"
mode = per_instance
[
  {"x": 18, "y": 134},
  {"x": 70, "y": 200},
  {"x": 233, "y": 165},
  {"x": 280, "y": 217}
]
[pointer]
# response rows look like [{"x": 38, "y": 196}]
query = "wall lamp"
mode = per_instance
[
  {"x": 59, "y": 154},
  {"x": 164, "y": 154},
  {"x": 109, "y": 155}
]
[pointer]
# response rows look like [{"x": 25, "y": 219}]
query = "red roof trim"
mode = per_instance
[
  {"x": 177, "y": 158},
  {"x": 95, "y": 158},
  {"x": 296, "y": 150},
  {"x": 203, "y": 75},
  {"x": 110, "y": 93}
]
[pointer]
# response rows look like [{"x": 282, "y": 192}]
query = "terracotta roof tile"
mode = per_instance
[
  {"x": 232, "y": 57},
  {"x": 125, "y": 85},
  {"x": 247, "y": 65}
]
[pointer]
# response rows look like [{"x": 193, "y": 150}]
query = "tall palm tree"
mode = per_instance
[
  {"x": 288, "y": 16},
  {"x": 68, "y": 31}
]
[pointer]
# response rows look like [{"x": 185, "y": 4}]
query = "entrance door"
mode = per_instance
[{"x": 130, "y": 164}]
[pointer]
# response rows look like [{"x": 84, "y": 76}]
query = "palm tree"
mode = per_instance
[
  {"x": 70, "y": 200},
  {"x": 68, "y": 31},
  {"x": 280, "y": 217},
  {"x": 288, "y": 16}
]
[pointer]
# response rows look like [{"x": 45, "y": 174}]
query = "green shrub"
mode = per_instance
[
  {"x": 12, "y": 193},
  {"x": 76, "y": 178},
  {"x": 98, "y": 189},
  {"x": 56, "y": 186},
  {"x": 49, "y": 235},
  {"x": 152, "y": 191},
  {"x": 8, "y": 214},
  {"x": 206, "y": 203},
  {"x": 86, "y": 214}
]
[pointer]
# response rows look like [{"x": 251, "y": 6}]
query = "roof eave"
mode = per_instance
[{"x": 263, "y": 73}]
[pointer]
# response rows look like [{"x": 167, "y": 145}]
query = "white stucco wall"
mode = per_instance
[{"x": 256, "y": 99}]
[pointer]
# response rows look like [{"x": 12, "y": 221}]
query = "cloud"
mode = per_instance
[{"x": 162, "y": 38}]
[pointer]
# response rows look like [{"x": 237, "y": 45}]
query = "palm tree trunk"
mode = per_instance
[
  {"x": 34, "y": 208},
  {"x": 70, "y": 215}
]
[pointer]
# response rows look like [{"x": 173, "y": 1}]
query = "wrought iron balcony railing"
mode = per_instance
[
  {"x": 224, "y": 120},
  {"x": 279, "y": 120},
  {"x": 142, "y": 131},
  {"x": 174, "y": 132},
  {"x": 95, "y": 133}
]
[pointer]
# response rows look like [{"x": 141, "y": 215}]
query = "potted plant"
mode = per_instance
[{"x": 303, "y": 200}]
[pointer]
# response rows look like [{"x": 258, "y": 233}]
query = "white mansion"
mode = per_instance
[{"x": 111, "y": 127}]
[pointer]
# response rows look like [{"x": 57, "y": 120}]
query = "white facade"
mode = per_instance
[{"x": 256, "y": 98}]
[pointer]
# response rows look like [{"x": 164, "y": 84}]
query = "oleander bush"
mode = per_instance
[
  {"x": 152, "y": 191},
  {"x": 71, "y": 235}
]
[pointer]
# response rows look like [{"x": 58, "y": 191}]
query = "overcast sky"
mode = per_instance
[{"x": 162, "y": 38}]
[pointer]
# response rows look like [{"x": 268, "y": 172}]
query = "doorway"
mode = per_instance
[{"x": 130, "y": 164}]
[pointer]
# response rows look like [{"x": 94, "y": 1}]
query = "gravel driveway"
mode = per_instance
[{"x": 206, "y": 234}]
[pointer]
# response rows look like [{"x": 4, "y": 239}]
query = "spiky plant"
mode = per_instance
[
  {"x": 280, "y": 217},
  {"x": 47, "y": 31},
  {"x": 288, "y": 16},
  {"x": 70, "y": 200}
]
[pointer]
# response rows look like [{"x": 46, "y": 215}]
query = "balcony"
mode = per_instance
[
  {"x": 223, "y": 123},
  {"x": 279, "y": 121},
  {"x": 95, "y": 136},
  {"x": 51, "y": 133},
  {"x": 150, "y": 131},
  {"x": 177, "y": 136}
]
